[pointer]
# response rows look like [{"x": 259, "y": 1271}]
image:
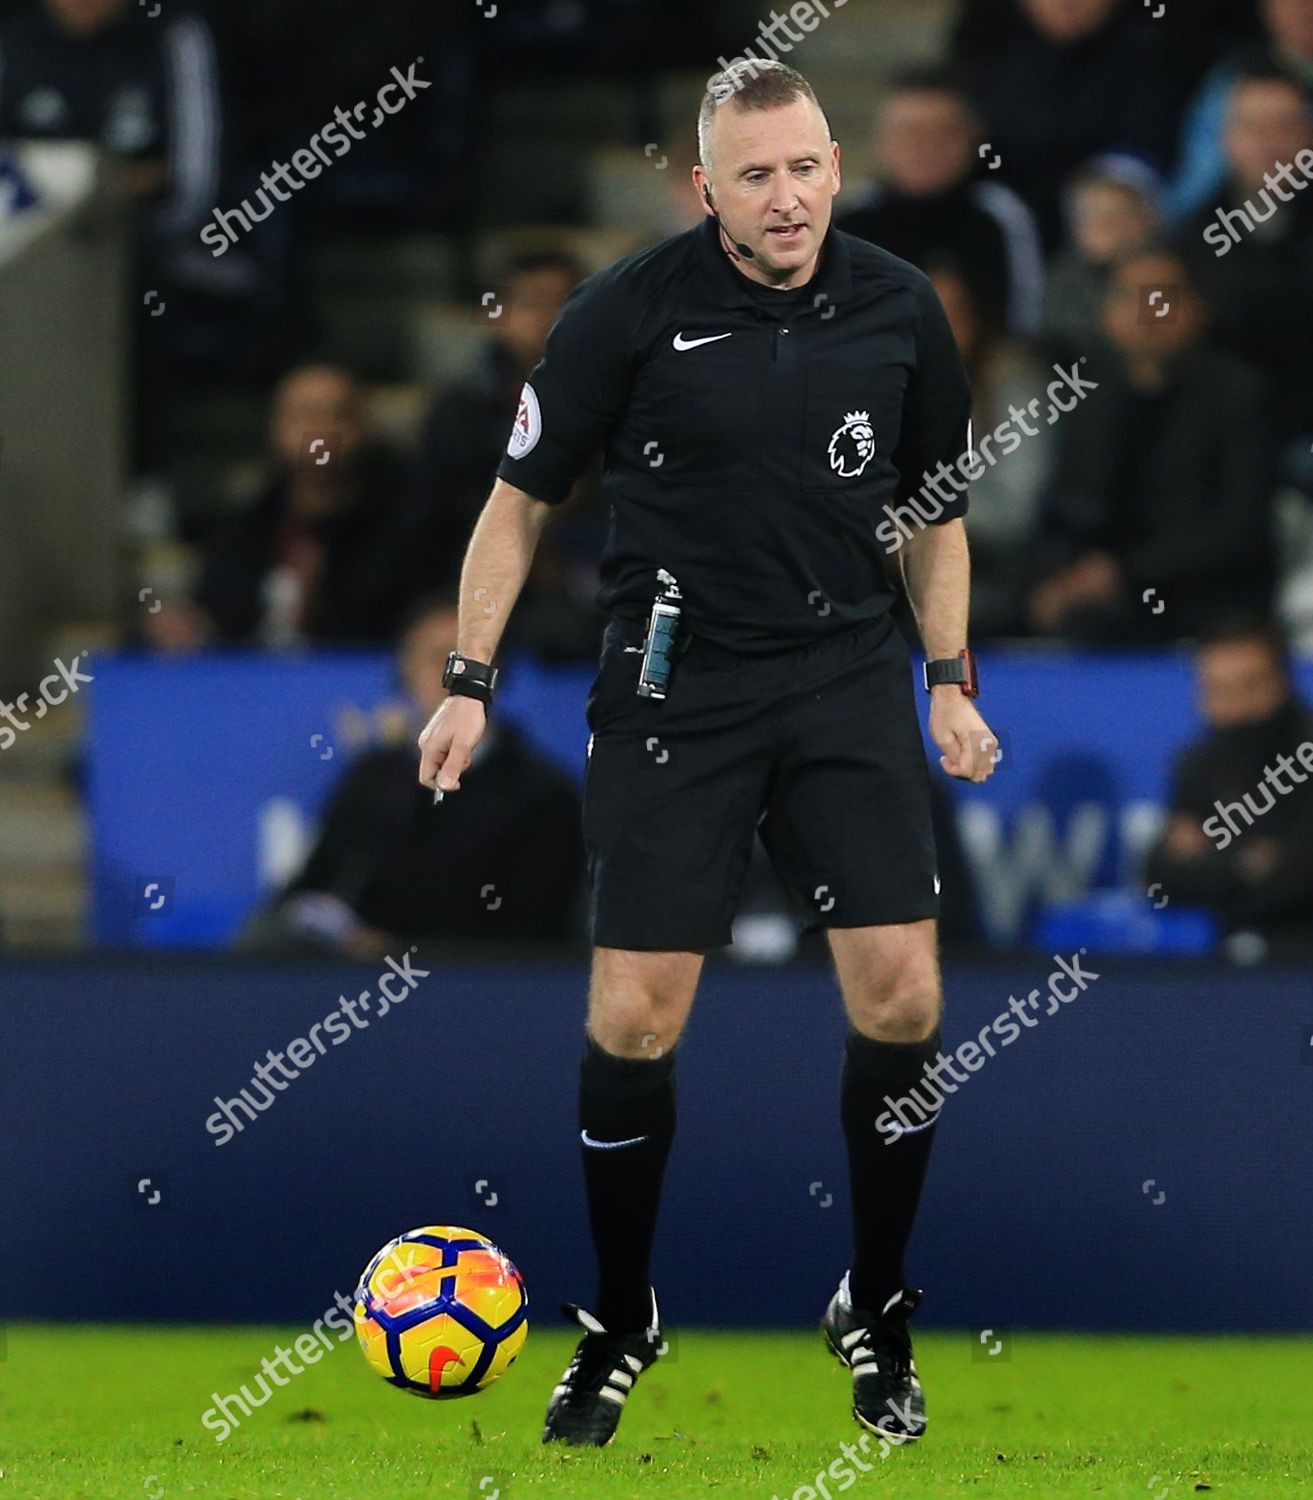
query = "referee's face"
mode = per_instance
[{"x": 773, "y": 175}]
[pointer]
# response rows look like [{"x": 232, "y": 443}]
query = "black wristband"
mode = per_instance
[
  {"x": 465, "y": 678},
  {"x": 479, "y": 690}
]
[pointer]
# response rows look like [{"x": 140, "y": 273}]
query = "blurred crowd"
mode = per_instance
[
  {"x": 1057, "y": 177},
  {"x": 1112, "y": 189},
  {"x": 1092, "y": 183}
]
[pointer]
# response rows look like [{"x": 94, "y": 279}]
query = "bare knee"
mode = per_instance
[
  {"x": 890, "y": 980},
  {"x": 638, "y": 1002},
  {"x": 903, "y": 1008}
]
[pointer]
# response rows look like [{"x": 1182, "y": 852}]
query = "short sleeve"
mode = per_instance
[
  {"x": 936, "y": 412},
  {"x": 577, "y": 394}
]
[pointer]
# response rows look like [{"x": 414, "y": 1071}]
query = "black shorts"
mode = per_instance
[{"x": 818, "y": 750}]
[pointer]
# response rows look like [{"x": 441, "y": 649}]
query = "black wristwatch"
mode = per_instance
[
  {"x": 469, "y": 679},
  {"x": 960, "y": 669}
]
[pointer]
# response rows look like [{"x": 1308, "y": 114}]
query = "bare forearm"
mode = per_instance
[
  {"x": 937, "y": 574},
  {"x": 496, "y": 564}
]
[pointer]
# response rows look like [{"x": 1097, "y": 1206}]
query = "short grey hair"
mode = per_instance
[{"x": 751, "y": 84}]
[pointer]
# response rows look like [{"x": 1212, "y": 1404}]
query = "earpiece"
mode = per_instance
[{"x": 745, "y": 252}]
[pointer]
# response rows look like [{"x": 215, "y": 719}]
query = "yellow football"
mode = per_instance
[{"x": 441, "y": 1312}]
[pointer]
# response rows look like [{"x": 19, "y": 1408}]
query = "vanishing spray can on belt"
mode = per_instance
[{"x": 662, "y": 631}]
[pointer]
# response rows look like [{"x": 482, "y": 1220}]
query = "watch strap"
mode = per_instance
[{"x": 950, "y": 670}]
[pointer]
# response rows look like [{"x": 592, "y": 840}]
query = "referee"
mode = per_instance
[{"x": 765, "y": 391}]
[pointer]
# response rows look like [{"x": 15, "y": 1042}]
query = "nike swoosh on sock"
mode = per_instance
[
  {"x": 902, "y": 1130},
  {"x": 609, "y": 1145}
]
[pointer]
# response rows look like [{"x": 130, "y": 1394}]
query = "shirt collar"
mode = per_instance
[{"x": 834, "y": 274}]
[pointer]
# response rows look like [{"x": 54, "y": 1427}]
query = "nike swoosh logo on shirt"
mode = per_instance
[
  {"x": 682, "y": 343},
  {"x": 609, "y": 1145}
]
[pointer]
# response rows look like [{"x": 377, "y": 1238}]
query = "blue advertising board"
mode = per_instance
[
  {"x": 1136, "y": 1160},
  {"x": 206, "y": 775}
]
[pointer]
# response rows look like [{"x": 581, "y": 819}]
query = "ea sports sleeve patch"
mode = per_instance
[{"x": 528, "y": 425}]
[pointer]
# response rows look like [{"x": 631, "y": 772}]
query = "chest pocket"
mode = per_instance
[
  {"x": 851, "y": 424},
  {"x": 695, "y": 413}
]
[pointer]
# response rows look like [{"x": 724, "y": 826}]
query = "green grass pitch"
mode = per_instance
[{"x": 114, "y": 1414}]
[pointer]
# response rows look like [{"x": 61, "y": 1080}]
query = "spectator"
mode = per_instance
[
  {"x": 980, "y": 28},
  {"x": 1157, "y": 518},
  {"x": 932, "y": 202},
  {"x": 146, "y": 89},
  {"x": 315, "y": 556},
  {"x": 1080, "y": 78},
  {"x": 498, "y": 863},
  {"x": 1238, "y": 839},
  {"x": 1251, "y": 251},
  {"x": 1294, "y": 607},
  {"x": 1005, "y": 497},
  {"x": 1194, "y": 36},
  {"x": 1112, "y": 213},
  {"x": 465, "y": 433},
  {"x": 1288, "y": 45},
  {"x": 463, "y": 439},
  {"x": 293, "y": 62},
  {"x": 142, "y": 81},
  {"x": 672, "y": 35}
]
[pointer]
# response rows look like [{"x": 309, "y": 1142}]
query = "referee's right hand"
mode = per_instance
[{"x": 448, "y": 742}]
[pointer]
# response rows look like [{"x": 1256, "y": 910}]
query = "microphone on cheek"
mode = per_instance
[{"x": 745, "y": 252}]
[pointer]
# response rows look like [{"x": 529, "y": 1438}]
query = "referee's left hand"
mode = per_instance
[{"x": 970, "y": 747}]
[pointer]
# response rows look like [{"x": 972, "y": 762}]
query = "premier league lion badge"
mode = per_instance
[{"x": 853, "y": 446}]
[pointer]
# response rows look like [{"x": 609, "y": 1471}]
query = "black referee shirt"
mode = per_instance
[{"x": 751, "y": 437}]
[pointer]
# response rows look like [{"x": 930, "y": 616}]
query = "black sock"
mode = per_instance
[
  {"x": 621, "y": 1099},
  {"x": 886, "y": 1162}
]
